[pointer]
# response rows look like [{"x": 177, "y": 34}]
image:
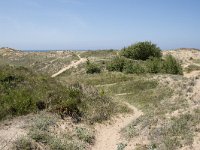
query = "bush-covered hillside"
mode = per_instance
[{"x": 23, "y": 91}]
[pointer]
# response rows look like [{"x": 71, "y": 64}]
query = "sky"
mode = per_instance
[{"x": 98, "y": 24}]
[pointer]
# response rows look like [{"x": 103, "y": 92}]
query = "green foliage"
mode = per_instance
[
  {"x": 134, "y": 67},
  {"x": 172, "y": 66},
  {"x": 23, "y": 91},
  {"x": 141, "y": 51},
  {"x": 116, "y": 64},
  {"x": 92, "y": 68},
  {"x": 154, "y": 65}
]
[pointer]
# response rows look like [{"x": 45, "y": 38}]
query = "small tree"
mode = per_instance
[{"x": 141, "y": 51}]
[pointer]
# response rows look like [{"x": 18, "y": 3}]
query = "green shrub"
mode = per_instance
[
  {"x": 134, "y": 67},
  {"x": 116, "y": 64},
  {"x": 92, "y": 68},
  {"x": 22, "y": 91},
  {"x": 172, "y": 66},
  {"x": 141, "y": 51},
  {"x": 154, "y": 65}
]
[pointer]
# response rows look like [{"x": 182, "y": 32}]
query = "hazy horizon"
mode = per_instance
[{"x": 92, "y": 24}]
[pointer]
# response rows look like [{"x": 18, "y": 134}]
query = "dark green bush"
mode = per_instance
[
  {"x": 172, "y": 66},
  {"x": 92, "y": 68},
  {"x": 116, "y": 64},
  {"x": 141, "y": 51}
]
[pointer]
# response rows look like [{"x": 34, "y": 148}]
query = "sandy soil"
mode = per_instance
[{"x": 11, "y": 130}]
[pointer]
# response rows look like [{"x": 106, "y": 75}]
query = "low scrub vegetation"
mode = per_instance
[
  {"x": 177, "y": 133},
  {"x": 23, "y": 91},
  {"x": 144, "y": 57},
  {"x": 168, "y": 65},
  {"x": 164, "y": 122},
  {"x": 117, "y": 64},
  {"x": 92, "y": 68},
  {"x": 171, "y": 65},
  {"x": 44, "y": 135}
]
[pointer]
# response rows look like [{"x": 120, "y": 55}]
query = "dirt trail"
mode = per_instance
[
  {"x": 71, "y": 65},
  {"x": 108, "y": 135}
]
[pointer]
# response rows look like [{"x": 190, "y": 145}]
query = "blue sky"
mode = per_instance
[{"x": 98, "y": 24}]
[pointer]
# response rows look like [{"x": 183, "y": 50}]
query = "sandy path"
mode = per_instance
[
  {"x": 108, "y": 135},
  {"x": 71, "y": 65}
]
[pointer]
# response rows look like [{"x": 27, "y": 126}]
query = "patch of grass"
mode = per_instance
[
  {"x": 170, "y": 134},
  {"x": 25, "y": 144},
  {"x": 141, "y": 92},
  {"x": 99, "y": 79},
  {"x": 96, "y": 106},
  {"x": 132, "y": 87},
  {"x": 178, "y": 132},
  {"x": 85, "y": 135},
  {"x": 42, "y": 134}
]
